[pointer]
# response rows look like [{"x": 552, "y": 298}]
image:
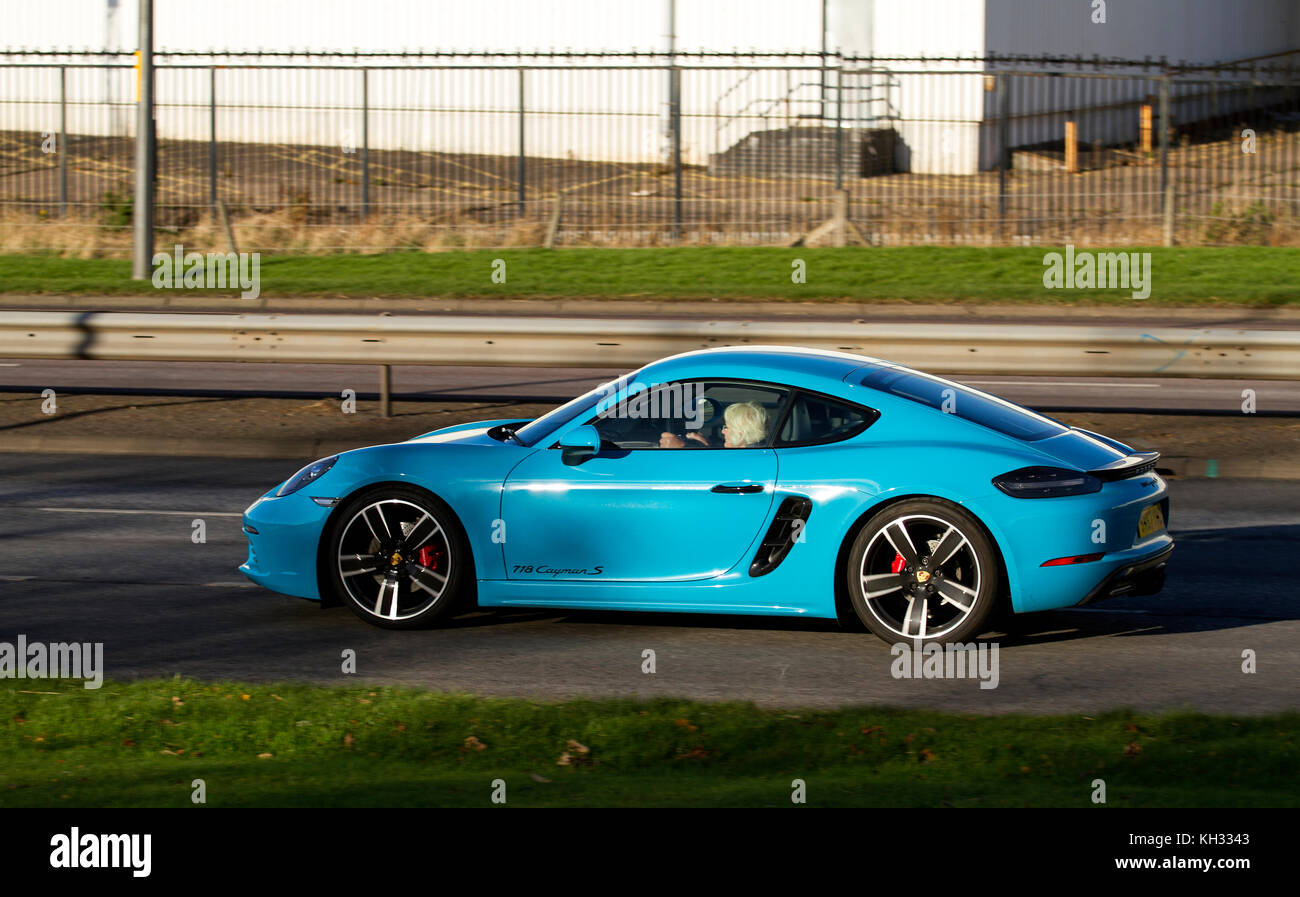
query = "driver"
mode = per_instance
[{"x": 744, "y": 425}]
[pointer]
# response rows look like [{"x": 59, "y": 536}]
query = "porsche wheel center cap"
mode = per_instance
[
  {"x": 396, "y": 558},
  {"x": 922, "y": 576}
]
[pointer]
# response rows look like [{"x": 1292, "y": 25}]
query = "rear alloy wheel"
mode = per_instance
[
  {"x": 923, "y": 571},
  {"x": 396, "y": 558}
]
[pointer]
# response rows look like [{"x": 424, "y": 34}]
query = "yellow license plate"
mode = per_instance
[{"x": 1151, "y": 521}]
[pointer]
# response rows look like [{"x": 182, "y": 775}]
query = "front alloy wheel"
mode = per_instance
[
  {"x": 923, "y": 571},
  {"x": 396, "y": 558}
]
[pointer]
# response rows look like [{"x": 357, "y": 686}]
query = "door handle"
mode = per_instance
[{"x": 738, "y": 488}]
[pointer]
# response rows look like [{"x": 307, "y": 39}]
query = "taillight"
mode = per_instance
[
  {"x": 1073, "y": 559},
  {"x": 1046, "y": 482}
]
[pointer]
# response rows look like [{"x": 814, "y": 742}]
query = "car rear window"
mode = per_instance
[{"x": 969, "y": 404}]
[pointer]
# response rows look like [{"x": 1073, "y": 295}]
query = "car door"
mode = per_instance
[{"x": 637, "y": 510}]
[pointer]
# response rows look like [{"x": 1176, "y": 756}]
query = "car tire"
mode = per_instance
[
  {"x": 904, "y": 591},
  {"x": 397, "y": 556}
]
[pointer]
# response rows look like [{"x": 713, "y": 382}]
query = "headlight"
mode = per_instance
[
  {"x": 308, "y": 474},
  {"x": 1046, "y": 482}
]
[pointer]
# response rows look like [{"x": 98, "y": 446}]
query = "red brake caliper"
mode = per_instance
[
  {"x": 429, "y": 557},
  {"x": 896, "y": 567}
]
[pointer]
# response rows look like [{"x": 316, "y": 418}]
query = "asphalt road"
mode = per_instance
[
  {"x": 99, "y": 549},
  {"x": 1152, "y": 395}
]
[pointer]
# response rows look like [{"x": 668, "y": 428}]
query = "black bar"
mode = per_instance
[
  {"x": 522, "y": 166},
  {"x": 212, "y": 137},
  {"x": 365, "y": 142},
  {"x": 63, "y": 141},
  {"x": 839, "y": 128},
  {"x": 675, "y": 116},
  {"x": 1004, "y": 151}
]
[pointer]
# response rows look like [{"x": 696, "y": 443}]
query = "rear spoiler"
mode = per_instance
[{"x": 1133, "y": 465}]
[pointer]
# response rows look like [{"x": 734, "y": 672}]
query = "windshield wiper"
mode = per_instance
[{"x": 502, "y": 432}]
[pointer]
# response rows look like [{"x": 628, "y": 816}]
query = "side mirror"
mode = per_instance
[{"x": 579, "y": 444}]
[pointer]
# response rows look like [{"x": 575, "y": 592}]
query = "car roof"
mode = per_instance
[{"x": 762, "y": 363}]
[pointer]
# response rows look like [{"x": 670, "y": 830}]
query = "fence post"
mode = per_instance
[
  {"x": 821, "y": 111},
  {"x": 521, "y": 141},
  {"x": 1144, "y": 129},
  {"x": 1004, "y": 104},
  {"x": 1169, "y": 214},
  {"x": 841, "y": 214},
  {"x": 1166, "y": 206},
  {"x": 839, "y": 133},
  {"x": 212, "y": 136},
  {"x": 63, "y": 141},
  {"x": 675, "y": 118},
  {"x": 142, "y": 223},
  {"x": 1071, "y": 147},
  {"x": 230, "y": 232},
  {"x": 553, "y": 228},
  {"x": 365, "y": 142},
  {"x": 385, "y": 390}
]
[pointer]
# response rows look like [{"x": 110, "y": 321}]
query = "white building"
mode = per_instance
[
  {"x": 1195, "y": 30},
  {"x": 942, "y": 120}
]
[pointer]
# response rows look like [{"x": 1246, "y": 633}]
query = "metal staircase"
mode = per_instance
[{"x": 842, "y": 126}]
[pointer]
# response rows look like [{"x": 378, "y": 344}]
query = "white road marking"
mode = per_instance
[
  {"x": 1070, "y": 385},
  {"x": 1102, "y": 610},
  {"x": 217, "y": 585},
  {"x": 127, "y": 511}
]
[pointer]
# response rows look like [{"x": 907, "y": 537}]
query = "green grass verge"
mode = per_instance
[
  {"x": 1251, "y": 276},
  {"x": 143, "y": 744}
]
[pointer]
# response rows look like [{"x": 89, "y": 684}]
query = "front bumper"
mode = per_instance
[{"x": 283, "y": 544}]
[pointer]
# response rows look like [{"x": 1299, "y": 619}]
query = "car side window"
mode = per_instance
[
  {"x": 814, "y": 420},
  {"x": 694, "y": 414}
]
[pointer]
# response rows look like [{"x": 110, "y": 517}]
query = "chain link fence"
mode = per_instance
[{"x": 329, "y": 152}]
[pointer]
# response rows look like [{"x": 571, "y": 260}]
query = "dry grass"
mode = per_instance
[
  {"x": 305, "y": 200},
  {"x": 934, "y": 222},
  {"x": 85, "y": 236}
]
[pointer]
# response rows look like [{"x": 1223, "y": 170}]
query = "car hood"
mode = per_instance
[{"x": 465, "y": 432}]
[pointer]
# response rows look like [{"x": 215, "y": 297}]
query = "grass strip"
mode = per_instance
[
  {"x": 144, "y": 743},
  {"x": 1245, "y": 276}
]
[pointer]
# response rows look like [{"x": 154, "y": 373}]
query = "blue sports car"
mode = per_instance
[{"x": 755, "y": 480}]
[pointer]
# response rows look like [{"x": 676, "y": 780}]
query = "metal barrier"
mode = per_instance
[{"x": 629, "y": 343}]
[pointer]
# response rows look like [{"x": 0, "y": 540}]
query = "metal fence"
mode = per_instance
[{"x": 320, "y": 152}]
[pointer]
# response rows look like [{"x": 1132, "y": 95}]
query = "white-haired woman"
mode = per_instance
[{"x": 744, "y": 424}]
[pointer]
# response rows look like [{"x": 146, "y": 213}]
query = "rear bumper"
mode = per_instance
[
  {"x": 1031, "y": 532},
  {"x": 1142, "y": 577}
]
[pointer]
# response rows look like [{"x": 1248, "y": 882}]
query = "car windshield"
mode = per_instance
[
  {"x": 531, "y": 432},
  {"x": 969, "y": 404}
]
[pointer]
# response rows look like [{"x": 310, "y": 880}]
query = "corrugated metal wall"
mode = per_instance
[{"x": 1198, "y": 31}]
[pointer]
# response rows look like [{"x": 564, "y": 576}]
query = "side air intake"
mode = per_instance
[{"x": 781, "y": 535}]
